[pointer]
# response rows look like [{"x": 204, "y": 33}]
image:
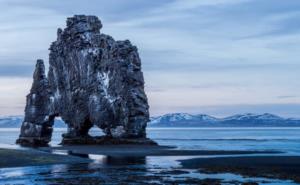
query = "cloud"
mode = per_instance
[
  {"x": 187, "y": 5},
  {"x": 287, "y": 97},
  {"x": 26, "y": 32},
  {"x": 16, "y": 70},
  {"x": 195, "y": 53},
  {"x": 279, "y": 24},
  {"x": 284, "y": 110},
  {"x": 12, "y": 94}
]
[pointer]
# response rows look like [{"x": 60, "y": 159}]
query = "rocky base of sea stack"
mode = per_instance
[
  {"x": 32, "y": 142},
  {"x": 105, "y": 140}
]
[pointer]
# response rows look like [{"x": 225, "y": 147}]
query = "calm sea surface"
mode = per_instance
[
  {"x": 113, "y": 170},
  {"x": 282, "y": 139}
]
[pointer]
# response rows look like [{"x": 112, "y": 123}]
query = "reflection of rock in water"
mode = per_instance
[
  {"x": 133, "y": 172},
  {"x": 108, "y": 170},
  {"x": 121, "y": 173},
  {"x": 113, "y": 160},
  {"x": 92, "y": 80},
  {"x": 78, "y": 154}
]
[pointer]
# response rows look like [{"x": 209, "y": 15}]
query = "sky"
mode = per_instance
[{"x": 218, "y": 57}]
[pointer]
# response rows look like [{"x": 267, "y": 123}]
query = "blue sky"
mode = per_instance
[{"x": 219, "y": 57}]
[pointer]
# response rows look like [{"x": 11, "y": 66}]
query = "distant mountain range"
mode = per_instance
[
  {"x": 16, "y": 122},
  {"x": 189, "y": 120},
  {"x": 239, "y": 120}
]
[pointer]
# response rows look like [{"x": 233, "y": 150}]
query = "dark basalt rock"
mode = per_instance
[
  {"x": 92, "y": 80},
  {"x": 105, "y": 140},
  {"x": 37, "y": 126}
]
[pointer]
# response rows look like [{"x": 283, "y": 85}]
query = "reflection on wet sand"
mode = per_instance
[
  {"x": 161, "y": 169},
  {"x": 119, "y": 169},
  {"x": 103, "y": 169},
  {"x": 112, "y": 160}
]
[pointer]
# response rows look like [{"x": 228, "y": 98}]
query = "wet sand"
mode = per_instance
[
  {"x": 52, "y": 155},
  {"x": 148, "y": 150},
  {"x": 279, "y": 167},
  {"x": 30, "y": 157},
  {"x": 48, "y": 155}
]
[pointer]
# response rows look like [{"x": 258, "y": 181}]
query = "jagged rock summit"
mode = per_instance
[{"x": 92, "y": 80}]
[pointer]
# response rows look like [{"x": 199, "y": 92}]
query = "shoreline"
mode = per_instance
[
  {"x": 213, "y": 162},
  {"x": 148, "y": 150},
  {"x": 277, "y": 167},
  {"x": 32, "y": 157},
  {"x": 73, "y": 154}
]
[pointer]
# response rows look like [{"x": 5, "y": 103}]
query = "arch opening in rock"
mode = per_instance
[{"x": 96, "y": 132}]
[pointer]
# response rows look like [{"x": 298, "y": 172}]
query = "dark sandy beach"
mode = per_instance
[
  {"x": 279, "y": 167},
  {"x": 148, "y": 150},
  {"x": 31, "y": 157},
  {"x": 273, "y": 167}
]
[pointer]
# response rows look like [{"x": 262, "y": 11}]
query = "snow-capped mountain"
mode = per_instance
[
  {"x": 239, "y": 120},
  {"x": 175, "y": 119},
  {"x": 16, "y": 122},
  {"x": 250, "y": 116},
  {"x": 11, "y": 121},
  {"x": 189, "y": 120},
  {"x": 205, "y": 117}
]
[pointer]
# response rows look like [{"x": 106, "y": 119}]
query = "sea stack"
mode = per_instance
[{"x": 93, "y": 80}]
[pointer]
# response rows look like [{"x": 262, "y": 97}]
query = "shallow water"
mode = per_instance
[
  {"x": 130, "y": 170},
  {"x": 115, "y": 170}
]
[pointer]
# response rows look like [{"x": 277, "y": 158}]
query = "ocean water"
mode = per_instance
[
  {"x": 279, "y": 139},
  {"x": 115, "y": 169}
]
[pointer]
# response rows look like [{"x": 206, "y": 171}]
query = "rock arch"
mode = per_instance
[{"x": 92, "y": 80}]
